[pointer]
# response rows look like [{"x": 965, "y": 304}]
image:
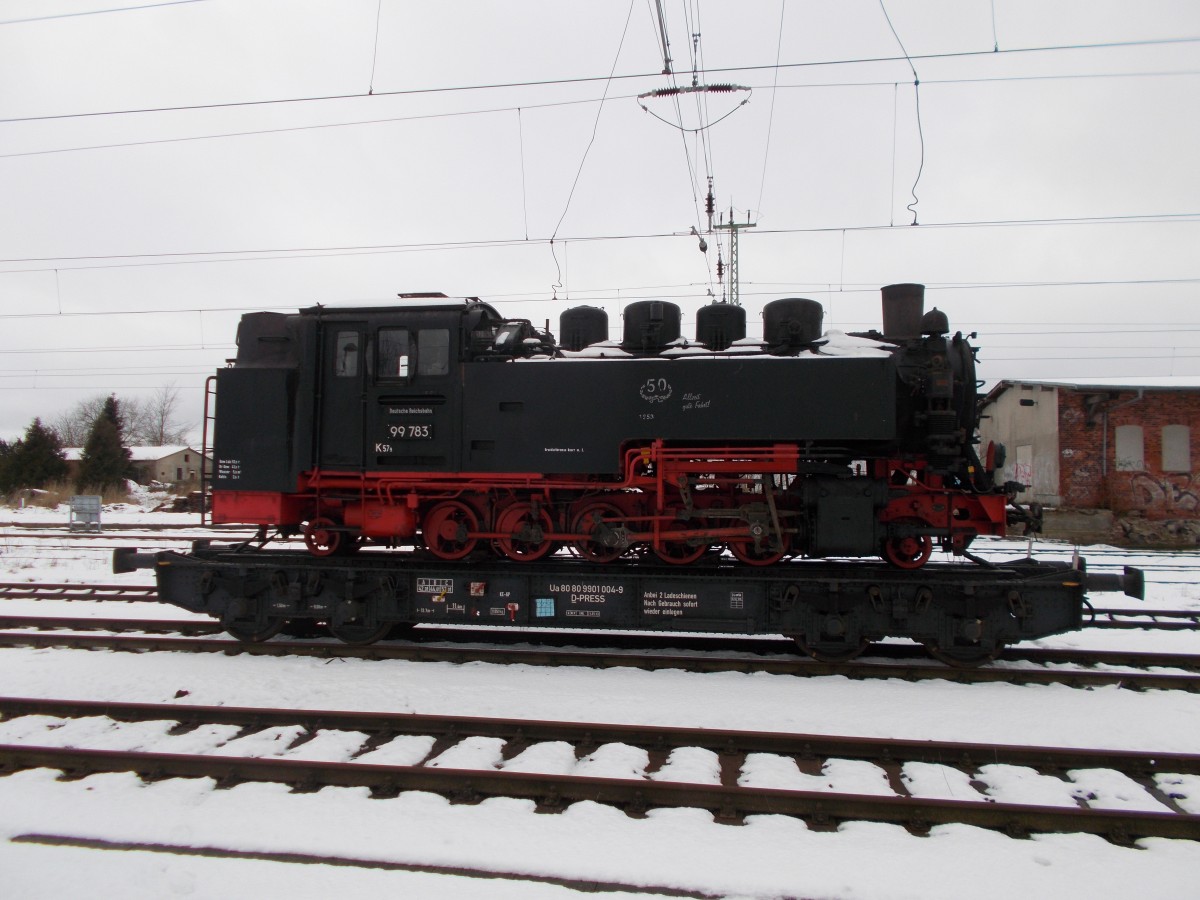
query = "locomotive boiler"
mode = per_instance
[{"x": 440, "y": 425}]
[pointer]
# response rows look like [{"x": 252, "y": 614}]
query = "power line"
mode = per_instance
[
  {"x": 771, "y": 112},
  {"x": 584, "y": 100},
  {"x": 550, "y": 82},
  {"x": 695, "y": 291},
  {"x": 257, "y": 255},
  {"x": 97, "y": 12},
  {"x": 911, "y": 207},
  {"x": 172, "y": 348}
]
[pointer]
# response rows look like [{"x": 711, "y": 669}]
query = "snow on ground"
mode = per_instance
[{"x": 171, "y": 827}]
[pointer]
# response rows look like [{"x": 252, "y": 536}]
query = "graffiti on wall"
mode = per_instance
[
  {"x": 1169, "y": 493},
  {"x": 1084, "y": 485},
  {"x": 1023, "y": 467}
]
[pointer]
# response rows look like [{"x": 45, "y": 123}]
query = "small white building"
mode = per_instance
[{"x": 169, "y": 465}]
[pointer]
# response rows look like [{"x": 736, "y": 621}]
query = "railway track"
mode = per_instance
[
  {"x": 648, "y": 652},
  {"x": 731, "y": 791},
  {"x": 49, "y": 591},
  {"x": 1149, "y": 619}
]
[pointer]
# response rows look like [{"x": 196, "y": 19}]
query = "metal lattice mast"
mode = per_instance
[{"x": 732, "y": 269}]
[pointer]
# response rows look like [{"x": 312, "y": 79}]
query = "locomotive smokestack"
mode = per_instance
[{"x": 903, "y": 307}]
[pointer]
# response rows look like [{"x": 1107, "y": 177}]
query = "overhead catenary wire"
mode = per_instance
[
  {"x": 588, "y": 148},
  {"x": 375, "y": 48},
  {"x": 98, "y": 12},
  {"x": 911, "y": 207},
  {"x": 771, "y": 110},
  {"x": 186, "y": 257},
  {"x": 418, "y": 117},
  {"x": 548, "y": 82}
]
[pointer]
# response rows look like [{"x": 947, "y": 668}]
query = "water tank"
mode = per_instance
[
  {"x": 650, "y": 325},
  {"x": 903, "y": 307},
  {"x": 720, "y": 324},
  {"x": 581, "y": 326},
  {"x": 791, "y": 324}
]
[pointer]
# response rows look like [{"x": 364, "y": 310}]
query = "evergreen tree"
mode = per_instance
[
  {"x": 6, "y": 454},
  {"x": 34, "y": 461},
  {"x": 105, "y": 462}
]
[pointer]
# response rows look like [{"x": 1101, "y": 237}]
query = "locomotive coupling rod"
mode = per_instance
[{"x": 1132, "y": 583}]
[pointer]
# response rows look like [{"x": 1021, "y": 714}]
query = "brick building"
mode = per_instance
[{"x": 1125, "y": 450}]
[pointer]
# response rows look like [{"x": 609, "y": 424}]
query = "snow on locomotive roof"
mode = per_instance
[
  {"x": 832, "y": 343},
  {"x": 404, "y": 302}
]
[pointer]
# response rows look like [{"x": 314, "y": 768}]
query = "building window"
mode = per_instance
[
  {"x": 1131, "y": 456},
  {"x": 1176, "y": 449}
]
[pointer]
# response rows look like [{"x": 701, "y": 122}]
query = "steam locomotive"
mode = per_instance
[{"x": 441, "y": 425}]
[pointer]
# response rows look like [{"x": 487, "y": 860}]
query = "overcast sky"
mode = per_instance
[{"x": 168, "y": 166}]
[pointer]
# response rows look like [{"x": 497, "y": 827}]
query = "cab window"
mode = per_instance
[
  {"x": 345, "y": 362},
  {"x": 394, "y": 354},
  {"x": 433, "y": 351}
]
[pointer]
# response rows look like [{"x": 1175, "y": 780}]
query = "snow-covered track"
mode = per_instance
[
  {"x": 1147, "y": 619},
  {"x": 1134, "y": 670},
  {"x": 47, "y": 591},
  {"x": 730, "y": 800}
]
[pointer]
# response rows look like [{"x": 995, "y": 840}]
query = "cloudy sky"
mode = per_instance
[{"x": 165, "y": 167}]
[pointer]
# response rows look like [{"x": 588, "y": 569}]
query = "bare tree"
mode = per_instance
[
  {"x": 149, "y": 422},
  {"x": 155, "y": 422},
  {"x": 73, "y": 426}
]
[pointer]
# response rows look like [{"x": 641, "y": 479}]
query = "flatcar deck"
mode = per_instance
[{"x": 964, "y": 612}]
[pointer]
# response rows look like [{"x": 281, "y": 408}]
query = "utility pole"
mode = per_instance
[{"x": 733, "y": 228}]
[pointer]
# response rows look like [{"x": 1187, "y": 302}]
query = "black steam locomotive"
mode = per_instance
[{"x": 441, "y": 425}]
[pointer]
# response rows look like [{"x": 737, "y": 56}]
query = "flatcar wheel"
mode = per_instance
[
  {"x": 964, "y": 657},
  {"x": 828, "y": 653},
  {"x": 596, "y": 520},
  {"x": 524, "y": 531},
  {"x": 447, "y": 528},
  {"x": 321, "y": 538},
  {"x": 761, "y": 555},
  {"x": 910, "y": 551},
  {"x": 255, "y": 631},
  {"x": 360, "y": 634}
]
